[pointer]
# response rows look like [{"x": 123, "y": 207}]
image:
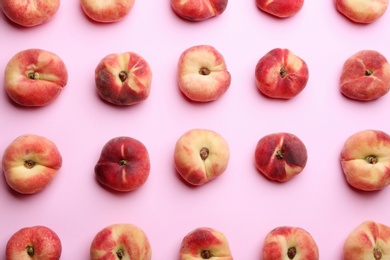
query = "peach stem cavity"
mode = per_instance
[
  {"x": 206, "y": 254},
  {"x": 123, "y": 76},
  {"x": 204, "y": 153},
  {"x": 377, "y": 254},
  {"x": 291, "y": 252},
  {"x": 283, "y": 72},
  {"x": 204, "y": 71},
  {"x": 371, "y": 159},
  {"x": 29, "y": 164},
  {"x": 30, "y": 250}
]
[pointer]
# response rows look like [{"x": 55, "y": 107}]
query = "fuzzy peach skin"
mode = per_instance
[
  {"x": 365, "y": 76},
  {"x": 201, "y": 155},
  {"x": 30, "y": 13},
  {"x": 280, "y": 8},
  {"x": 123, "y": 165},
  {"x": 281, "y": 74},
  {"x": 123, "y": 78},
  {"x": 34, "y": 243},
  {"x": 120, "y": 241},
  {"x": 285, "y": 242},
  {"x": 280, "y": 156},
  {"x": 107, "y": 11},
  {"x": 30, "y": 163},
  {"x": 362, "y": 11},
  {"x": 202, "y": 73},
  {"x": 368, "y": 241},
  {"x": 198, "y": 10},
  {"x": 205, "y": 243},
  {"x": 35, "y": 77},
  {"x": 365, "y": 160}
]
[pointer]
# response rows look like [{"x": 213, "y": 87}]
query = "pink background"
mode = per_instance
[{"x": 241, "y": 203}]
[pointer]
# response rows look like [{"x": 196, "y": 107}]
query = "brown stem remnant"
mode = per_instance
[
  {"x": 120, "y": 253},
  {"x": 30, "y": 250},
  {"x": 279, "y": 154},
  {"x": 283, "y": 72},
  {"x": 377, "y": 254},
  {"x": 33, "y": 75},
  {"x": 123, "y": 162},
  {"x": 206, "y": 254},
  {"x": 291, "y": 252},
  {"x": 29, "y": 164},
  {"x": 123, "y": 76},
  {"x": 204, "y": 153},
  {"x": 368, "y": 72},
  {"x": 371, "y": 159},
  {"x": 204, "y": 71}
]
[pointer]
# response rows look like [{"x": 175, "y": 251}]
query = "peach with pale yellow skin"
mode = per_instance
[
  {"x": 30, "y": 13},
  {"x": 286, "y": 242},
  {"x": 365, "y": 160},
  {"x": 30, "y": 163},
  {"x": 120, "y": 241},
  {"x": 123, "y": 165},
  {"x": 205, "y": 243},
  {"x": 280, "y": 8},
  {"x": 280, "y": 156},
  {"x": 281, "y": 74},
  {"x": 362, "y": 11},
  {"x": 35, "y": 77},
  {"x": 365, "y": 76},
  {"x": 198, "y": 10},
  {"x": 123, "y": 78},
  {"x": 34, "y": 243},
  {"x": 201, "y": 155},
  {"x": 202, "y": 73},
  {"x": 368, "y": 241},
  {"x": 107, "y": 11}
]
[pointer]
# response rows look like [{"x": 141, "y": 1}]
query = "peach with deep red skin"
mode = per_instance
[
  {"x": 280, "y": 156},
  {"x": 362, "y": 11},
  {"x": 365, "y": 76},
  {"x": 35, "y": 242},
  {"x": 35, "y": 77},
  {"x": 369, "y": 240},
  {"x": 30, "y": 163},
  {"x": 198, "y": 10},
  {"x": 280, "y": 8},
  {"x": 205, "y": 243},
  {"x": 30, "y": 13},
  {"x": 281, "y": 74},
  {"x": 107, "y": 11},
  {"x": 287, "y": 242},
  {"x": 120, "y": 241},
  {"x": 202, "y": 73},
  {"x": 200, "y": 156},
  {"x": 124, "y": 164},
  {"x": 365, "y": 160},
  {"x": 123, "y": 78}
]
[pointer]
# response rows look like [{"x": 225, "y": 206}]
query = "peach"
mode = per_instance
[
  {"x": 198, "y": 10},
  {"x": 362, "y": 11},
  {"x": 123, "y": 165},
  {"x": 280, "y": 8},
  {"x": 30, "y": 163},
  {"x": 205, "y": 243},
  {"x": 280, "y": 156},
  {"x": 365, "y": 160},
  {"x": 123, "y": 78},
  {"x": 369, "y": 240},
  {"x": 281, "y": 74},
  {"x": 107, "y": 11},
  {"x": 30, "y": 13},
  {"x": 35, "y": 242},
  {"x": 365, "y": 76},
  {"x": 201, "y": 155},
  {"x": 202, "y": 73},
  {"x": 119, "y": 242},
  {"x": 286, "y": 242},
  {"x": 35, "y": 77}
]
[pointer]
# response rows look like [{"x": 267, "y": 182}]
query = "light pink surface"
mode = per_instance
[{"x": 241, "y": 203}]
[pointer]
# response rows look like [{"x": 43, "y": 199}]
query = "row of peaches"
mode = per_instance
[
  {"x": 369, "y": 240},
  {"x": 36, "y": 77},
  {"x": 26, "y": 13}
]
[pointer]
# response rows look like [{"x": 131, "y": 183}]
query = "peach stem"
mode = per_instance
[
  {"x": 291, "y": 252},
  {"x": 123, "y": 162},
  {"x": 123, "y": 76},
  {"x": 283, "y": 72},
  {"x": 204, "y": 71},
  {"x": 372, "y": 159},
  {"x": 29, "y": 164},
  {"x": 33, "y": 75},
  {"x": 120, "y": 253},
  {"x": 377, "y": 254},
  {"x": 30, "y": 250},
  {"x": 368, "y": 72},
  {"x": 204, "y": 153},
  {"x": 279, "y": 154},
  {"x": 206, "y": 254}
]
